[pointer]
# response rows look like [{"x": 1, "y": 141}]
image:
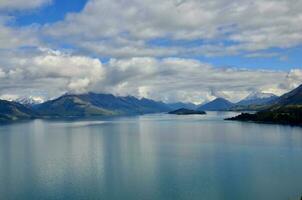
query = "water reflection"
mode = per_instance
[{"x": 150, "y": 157}]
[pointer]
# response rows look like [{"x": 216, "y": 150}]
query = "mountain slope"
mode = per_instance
[
  {"x": 255, "y": 102},
  {"x": 124, "y": 105},
  {"x": 293, "y": 97},
  {"x": 12, "y": 111},
  {"x": 219, "y": 104},
  {"x": 70, "y": 106}
]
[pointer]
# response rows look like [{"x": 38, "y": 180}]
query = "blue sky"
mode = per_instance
[
  {"x": 50, "y": 13},
  {"x": 285, "y": 58},
  {"x": 131, "y": 45}
]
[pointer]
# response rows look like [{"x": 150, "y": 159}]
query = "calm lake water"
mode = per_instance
[{"x": 156, "y": 157}]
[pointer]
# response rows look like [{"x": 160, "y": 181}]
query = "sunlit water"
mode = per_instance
[{"x": 156, "y": 157}]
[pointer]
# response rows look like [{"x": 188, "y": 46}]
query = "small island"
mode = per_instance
[{"x": 184, "y": 111}]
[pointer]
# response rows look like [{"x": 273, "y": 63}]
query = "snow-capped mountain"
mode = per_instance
[
  {"x": 29, "y": 100},
  {"x": 257, "y": 98}
]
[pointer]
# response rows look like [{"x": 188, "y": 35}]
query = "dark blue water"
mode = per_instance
[{"x": 156, "y": 157}]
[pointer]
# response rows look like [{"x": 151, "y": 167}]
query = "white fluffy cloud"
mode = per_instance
[
  {"x": 126, "y": 32},
  {"x": 12, "y": 37},
  {"x": 173, "y": 79},
  {"x": 50, "y": 73},
  {"x": 123, "y": 28},
  {"x": 17, "y": 37}
]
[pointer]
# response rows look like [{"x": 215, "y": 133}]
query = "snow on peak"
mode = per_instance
[
  {"x": 31, "y": 100},
  {"x": 259, "y": 95}
]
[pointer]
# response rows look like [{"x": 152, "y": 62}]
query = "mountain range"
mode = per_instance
[
  {"x": 93, "y": 104},
  {"x": 83, "y": 105}
]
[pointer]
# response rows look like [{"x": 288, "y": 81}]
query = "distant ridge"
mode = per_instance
[
  {"x": 218, "y": 104},
  {"x": 257, "y": 98},
  {"x": 255, "y": 102}
]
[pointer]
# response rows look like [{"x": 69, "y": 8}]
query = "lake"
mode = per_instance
[{"x": 156, "y": 157}]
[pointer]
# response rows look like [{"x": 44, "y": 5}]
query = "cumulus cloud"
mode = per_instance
[
  {"x": 17, "y": 37},
  {"x": 172, "y": 79},
  {"x": 124, "y": 28},
  {"x": 144, "y": 41},
  {"x": 12, "y": 37},
  {"x": 50, "y": 73}
]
